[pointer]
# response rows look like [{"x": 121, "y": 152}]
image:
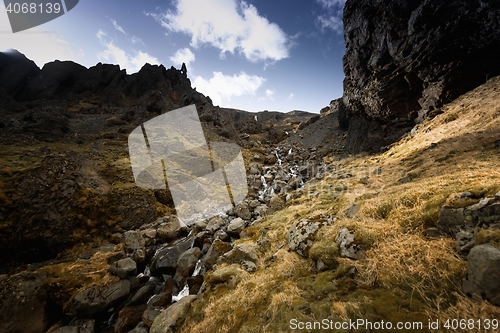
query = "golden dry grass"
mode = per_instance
[{"x": 406, "y": 276}]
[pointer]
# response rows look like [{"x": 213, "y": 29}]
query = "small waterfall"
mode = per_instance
[
  {"x": 279, "y": 159},
  {"x": 184, "y": 292},
  {"x": 197, "y": 268}
]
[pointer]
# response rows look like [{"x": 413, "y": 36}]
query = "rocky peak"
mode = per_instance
[{"x": 406, "y": 58}]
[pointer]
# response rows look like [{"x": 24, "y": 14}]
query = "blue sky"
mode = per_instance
[{"x": 252, "y": 55}]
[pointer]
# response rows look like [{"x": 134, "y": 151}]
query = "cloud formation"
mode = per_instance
[
  {"x": 184, "y": 55},
  {"x": 270, "y": 94},
  {"x": 117, "y": 27},
  {"x": 332, "y": 17},
  {"x": 229, "y": 25},
  {"x": 114, "y": 54},
  {"x": 222, "y": 87}
]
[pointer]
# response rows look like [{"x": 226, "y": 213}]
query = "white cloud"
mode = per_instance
[
  {"x": 229, "y": 25},
  {"x": 114, "y": 54},
  {"x": 137, "y": 40},
  {"x": 291, "y": 96},
  {"x": 117, "y": 27},
  {"x": 332, "y": 18},
  {"x": 222, "y": 87},
  {"x": 331, "y": 3},
  {"x": 332, "y": 22},
  {"x": 183, "y": 56},
  {"x": 37, "y": 44},
  {"x": 270, "y": 94}
]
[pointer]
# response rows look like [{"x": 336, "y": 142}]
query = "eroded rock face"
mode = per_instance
[{"x": 405, "y": 58}]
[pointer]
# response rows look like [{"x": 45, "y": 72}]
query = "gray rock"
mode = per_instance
[
  {"x": 248, "y": 266},
  {"x": 140, "y": 328},
  {"x": 241, "y": 252},
  {"x": 236, "y": 226},
  {"x": 129, "y": 318},
  {"x": 95, "y": 300},
  {"x": 275, "y": 204},
  {"x": 301, "y": 234},
  {"x": 162, "y": 299},
  {"x": 222, "y": 235},
  {"x": 348, "y": 248},
  {"x": 124, "y": 268},
  {"x": 173, "y": 316},
  {"x": 463, "y": 223},
  {"x": 215, "y": 223},
  {"x": 353, "y": 210},
  {"x": 483, "y": 272},
  {"x": 116, "y": 238},
  {"x": 134, "y": 245},
  {"x": 186, "y": 264},
  {"x": 171, "y": 230},
  {"x": 217, "y": 249},
  {"x": 149, "y": 316},
  {"x": 143, "y": 294},
  {"x": 261, "y": 210},
  {"x": 149, "y": 236},
  {"x": 165, "y": 259},
  {"x": 243, "y": 211}
]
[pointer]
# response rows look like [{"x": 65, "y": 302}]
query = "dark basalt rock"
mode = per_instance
[{"x": 406, "y": 58}]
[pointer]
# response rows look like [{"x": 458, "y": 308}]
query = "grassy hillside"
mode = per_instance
[{"x": 406, "y": 275}]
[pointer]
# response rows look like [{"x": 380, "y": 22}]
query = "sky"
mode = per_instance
[{"x": 252, "y": 55}]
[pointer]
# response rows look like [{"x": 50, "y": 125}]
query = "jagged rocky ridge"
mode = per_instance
[
  {"x": 405, "y": 59},
  {"x": 88, "y": 114}
]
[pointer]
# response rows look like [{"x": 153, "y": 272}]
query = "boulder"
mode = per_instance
[
  {"x": 186, "y": 264},
  {"x": 243, "y": 211},
  {"x": 241, "y": 252},
  {"x": 140, "y": 328},
  {"x": 134, "y": 245},
  {"x": 275, "y": 204},
  {"x": 173, "y": 316},
  {"x": 149, "y": 316},
  {"x": 142, "y": 295},
  {"x": 128, "y": 318},
  {"x": 97, "y": 299},
  {"x": 483, "y": 272},
  {"x": 124, "y": 268},
  {"x": 464, "y": 222},
  {"x": 214, "y": 224},
  {"x": 248, "y": 266},
  {"x": 165, "y": 259},
  {"x": 171, "y": 230},
  {"x": 348, "y": 248},
  {"x": 236, "y": 226},
  {"x": 302, "y": 233},
  {"x": 217, "y": 249}
]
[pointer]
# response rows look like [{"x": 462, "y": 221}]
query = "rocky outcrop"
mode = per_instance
[
  {"x": 483, "y": 269},
  {"x": 405, "y": 58},
  {"x": 463, "y": 220}
]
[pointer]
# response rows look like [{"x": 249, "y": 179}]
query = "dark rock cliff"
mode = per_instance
[{"x": 406, "y": 58}]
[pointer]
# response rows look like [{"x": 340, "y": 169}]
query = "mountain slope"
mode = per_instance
[{"x": 409, "y": 273}]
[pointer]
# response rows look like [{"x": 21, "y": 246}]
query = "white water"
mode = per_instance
[
  {"x": 197, "y": 268},
  {"x": 184, "y": 292}
]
